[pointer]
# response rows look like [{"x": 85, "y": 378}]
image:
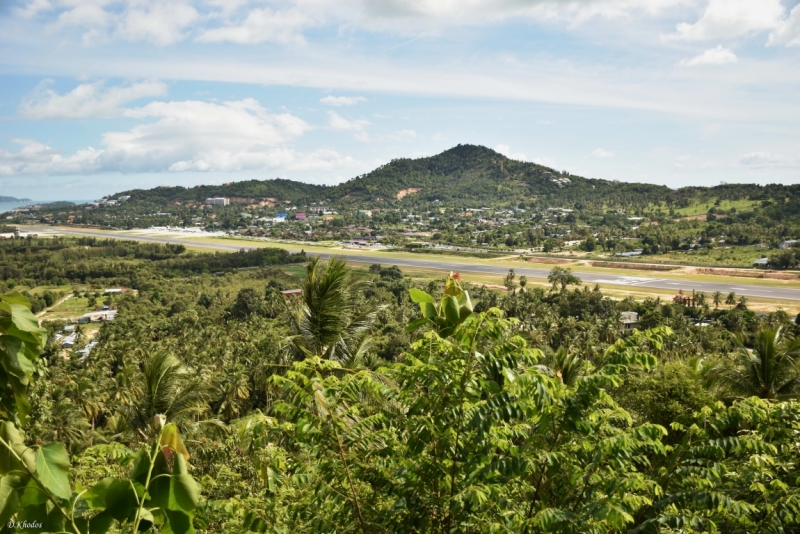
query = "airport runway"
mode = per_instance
[{"x": 771, "y": 292}]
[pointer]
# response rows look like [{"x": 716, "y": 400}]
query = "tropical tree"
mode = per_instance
[
  {"x": 164, "y": 387},
  {"x": 769, "y": 370},
  {"x": 561, "y": 277},
  {"x": 731, "y": 299},
  {"x": 716, "y": 298},
  {"x": 330, "y": 321}
]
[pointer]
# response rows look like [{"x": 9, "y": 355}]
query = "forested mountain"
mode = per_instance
[
  {"x": 465, "y": 175},
  {"x": 466, "y": 172}
]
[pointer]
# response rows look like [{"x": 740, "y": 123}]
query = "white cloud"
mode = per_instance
[
  {"x": 188, "y": 135},
  {"x": 788, "y": 32},
  {"x": 599, "y": 153},
  {"x": 262, "y": 25},
  {"x": 725, "y": 19},
  {"x": 86, "y": 100},
  {"x": 156, "y": 21},
  {"x": 506, "y": 151},
  {"x": 340, "y": 124},
  {"x": 37, "y": 158},
  {"x": 339, "y": 101},
  {"x": 712, "y": 56},
  {"x": 768, "y": 159}
]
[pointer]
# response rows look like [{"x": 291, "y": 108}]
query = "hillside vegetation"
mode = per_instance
[{"x": 370, "y": 401}]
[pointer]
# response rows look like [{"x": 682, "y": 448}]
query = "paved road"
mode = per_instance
[{"x": 771, "y": 292}]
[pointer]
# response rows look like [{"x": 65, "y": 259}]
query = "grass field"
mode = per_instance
[{"x": 700, "y": 208}]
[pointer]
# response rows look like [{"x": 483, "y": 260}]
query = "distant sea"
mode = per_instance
[{"x": 8, "y": 206}]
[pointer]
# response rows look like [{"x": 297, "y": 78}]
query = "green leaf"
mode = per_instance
[
  {"x": 121, "y": 499},
  {"x": 52, "y": 469},
  {"x": 8, "y": 461},
  {"x": 428, "y": 310},
  {"x": 9, "y": 496},
  {"x": 179, "y": 523},
  {"x": 98, "y": 524},
  {"x": 16, "y": 298},
  {"x": 95, "y": 496},
  {"x": 416, "y": 324},
  {"x": 15, "y": 357},
  {"x": 450, "y": 305},
  {"x": 420, "y": 296}
]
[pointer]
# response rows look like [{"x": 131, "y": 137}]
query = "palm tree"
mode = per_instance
[
  {"x": 742, "y": 303},
  {"x": 165, "y": 387},
  {"x": 330, "y": 321},
  {"x": 717, "y": 299},
  {"x": 731, "y": 300},
  {"x": 565, "y": 365},
  {"x": 769, "y": 371}
]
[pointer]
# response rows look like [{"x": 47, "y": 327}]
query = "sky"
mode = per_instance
[{"x": 102, "y": 96}]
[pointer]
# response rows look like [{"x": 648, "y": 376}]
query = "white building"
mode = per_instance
[{"x": 217, "y": 201}]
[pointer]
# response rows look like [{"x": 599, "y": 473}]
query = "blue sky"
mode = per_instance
[{"x": 100, "y": 96}]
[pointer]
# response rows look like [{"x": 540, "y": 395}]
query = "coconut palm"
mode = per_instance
[
  {"x": 731, "y": 300},
  {"x": 716, "y": 298},
  {"x": 769, "y": 371},
  {"x": 165, "y": 387},
  {"x": 330, "y": 321},
  {"x": 565, "y": 365}
]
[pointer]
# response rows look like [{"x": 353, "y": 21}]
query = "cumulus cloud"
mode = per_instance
[
  {"x": 788, "y": 32},
  {"x": 339, "y": 101},
  {"x": 712, "y": 56},
  {"x": 86, "y": 100},
  {"x": 725, "y": 19},
  {"x": 340, "y": 124},
  {"x": 37, "y": 158},
  {"x": 188, "y": 135},
  {"x": 506, "y": 151},
  {"x": 262, "y": 25},
  {"x": 599, "y": 153}
]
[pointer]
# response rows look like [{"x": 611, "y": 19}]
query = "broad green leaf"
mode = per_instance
[
  {"x": 418, "y": 296},
  {"x": 121, "y": 499},
  {"x": 8, "y": 460},
  {"x": 98, "y": 524},
  {"x": 95, "y": 496},
  {"x": 416, "y": 324},
  {"x": 179, "y": 523},
  {"x": 15, "y": 357},
  {"x": 9, "y": 496},
  {"x": 450, "y": 305},
  {"x": 16, "y": 298},
  {"x": 428, "y": 310},
  {"x": 52, "y": 469}
]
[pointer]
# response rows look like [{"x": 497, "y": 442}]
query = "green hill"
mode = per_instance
[{"x": 466, "y": 173}]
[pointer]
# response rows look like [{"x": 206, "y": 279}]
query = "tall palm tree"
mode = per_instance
[
  {"x": 330, "y": 320},
  {"x": 769, "y": 371},
  {"x": 165, "y": 387},
  {"x": 717, "y": 299},
  {"x": 731, "y": 300}
]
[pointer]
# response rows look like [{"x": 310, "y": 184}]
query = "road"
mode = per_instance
[{"x": 769, "y": 292}]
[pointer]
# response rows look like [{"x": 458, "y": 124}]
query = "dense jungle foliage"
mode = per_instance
[{"x": 376, "y": 402}]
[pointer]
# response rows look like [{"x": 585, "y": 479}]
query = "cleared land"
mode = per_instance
[{"x": 767, "y": 294}]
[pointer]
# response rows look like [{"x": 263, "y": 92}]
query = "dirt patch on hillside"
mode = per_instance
[{"x": 405, "y": 192}]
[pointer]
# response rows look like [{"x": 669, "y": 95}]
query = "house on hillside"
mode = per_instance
[
  {"x": 761, "y": 263},
  {"x": 628, "y": 320}
]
